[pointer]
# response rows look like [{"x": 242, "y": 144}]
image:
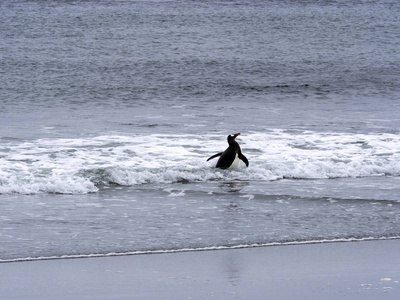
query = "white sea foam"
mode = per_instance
[{"x": 76, "y": 166}]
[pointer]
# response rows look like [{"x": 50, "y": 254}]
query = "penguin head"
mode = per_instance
[{"x": 231, "y": 138}]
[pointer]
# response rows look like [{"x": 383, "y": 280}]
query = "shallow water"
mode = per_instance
[{"x": 108, "y": 112}]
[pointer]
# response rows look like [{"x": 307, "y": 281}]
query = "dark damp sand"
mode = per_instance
[{"x": 351, "y": 270}]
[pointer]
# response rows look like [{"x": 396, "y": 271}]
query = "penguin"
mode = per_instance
[{"x": 230, "y": 157}]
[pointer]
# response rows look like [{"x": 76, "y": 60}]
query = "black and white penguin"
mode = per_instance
[{"x": 230, "y": 157}]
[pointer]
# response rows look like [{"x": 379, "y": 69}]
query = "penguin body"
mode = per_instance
[{"x": 230, "y": 158}]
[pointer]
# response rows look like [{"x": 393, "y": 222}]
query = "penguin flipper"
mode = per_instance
[
  {"x": 214, "y": 156},
  {"x": 244, "y": 159}
]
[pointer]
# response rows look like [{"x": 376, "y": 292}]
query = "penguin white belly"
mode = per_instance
[{"x": 235, "y": 163}]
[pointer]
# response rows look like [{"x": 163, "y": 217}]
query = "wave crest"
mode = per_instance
[{"x": 79, "y": 166}]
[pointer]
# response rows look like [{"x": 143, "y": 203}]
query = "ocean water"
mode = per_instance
[{"x": 110, "y": 109}]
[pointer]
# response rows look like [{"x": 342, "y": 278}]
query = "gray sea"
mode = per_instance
[{"x": 110, "y": 109}]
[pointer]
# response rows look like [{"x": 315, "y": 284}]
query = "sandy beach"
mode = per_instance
[{"x": 351, "y": 270}]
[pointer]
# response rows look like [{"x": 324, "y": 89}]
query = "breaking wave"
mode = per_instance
[{"x": 79, "y": 166}]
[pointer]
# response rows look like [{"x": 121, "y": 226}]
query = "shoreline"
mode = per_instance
[
  {"x": 357, "y": 270},
  {"x": 183, "y": 250}
]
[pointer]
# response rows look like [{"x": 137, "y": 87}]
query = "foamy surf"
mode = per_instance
[{"x": 79, "y": 166}]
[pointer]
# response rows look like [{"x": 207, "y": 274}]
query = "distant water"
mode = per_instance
[{"x": 110, "y": 109}]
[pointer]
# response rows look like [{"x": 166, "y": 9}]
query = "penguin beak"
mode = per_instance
[{"x": 235, "y": 135}]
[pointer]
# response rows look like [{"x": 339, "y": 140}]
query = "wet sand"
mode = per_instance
[{"x": 351, "y": 270}]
